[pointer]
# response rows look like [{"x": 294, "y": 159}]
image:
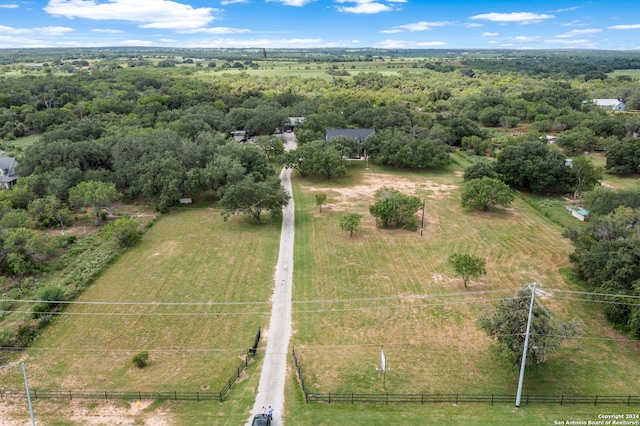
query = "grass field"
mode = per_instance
[
  {"x": 392, "y": 288},
  {"x": 173, "y": 295},
  {"x": 389, "y": 288}
]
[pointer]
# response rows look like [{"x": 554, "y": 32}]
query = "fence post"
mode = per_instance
[
  {"x": 456, "y": 399},
  {"x": 198, "y": 396},
  {"x": 70, "y": 397},
  {"x": 561, "y": 399},
  {"x": 421, "y": 398},
  {"x": 175, "y": 396},
  {"x": 491, "y": 399},
  {"x": 387, "y": 399},
  {"x": 351, "y": 397},
  {"x": 329, "y": 397},
  {"x": 35, "y": 394},
  {"x": 139, "y": 396},
  {"x": 596, "y": 401},
  {"x": 105, "y": 396},
  {"x": 629, "y": 400}
]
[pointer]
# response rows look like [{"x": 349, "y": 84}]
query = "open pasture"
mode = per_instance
[
  {"x": 193, "y": 294},
  {"x": 394, "y": 289}
]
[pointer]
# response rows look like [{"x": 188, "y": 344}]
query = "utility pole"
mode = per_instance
[
  {"x": 526, "y": 346},
  {"x": 26, "y": 385},
  {"x": 422, "y": 227}
]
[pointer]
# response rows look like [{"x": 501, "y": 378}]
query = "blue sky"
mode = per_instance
[{"x": 452, "y": 24}]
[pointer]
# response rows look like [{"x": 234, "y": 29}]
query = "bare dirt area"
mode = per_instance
[
  {"x": 12, "y": 413},
  {"x": 370, "y": 183}
]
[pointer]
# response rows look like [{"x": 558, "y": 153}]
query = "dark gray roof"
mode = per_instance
[
  {"x": 8, "y": 169},
  {"x": 358, "y": 134}
]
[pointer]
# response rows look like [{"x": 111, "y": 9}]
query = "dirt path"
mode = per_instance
[{"x": 274, "y": 369}]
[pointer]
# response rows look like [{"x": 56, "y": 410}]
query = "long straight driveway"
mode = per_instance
[{"x": 274, "y": 370}]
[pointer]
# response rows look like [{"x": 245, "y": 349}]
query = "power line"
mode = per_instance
[{"x": 592, "y": 293}]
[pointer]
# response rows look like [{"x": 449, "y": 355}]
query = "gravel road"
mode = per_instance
[{"x": 274, "y": 368}]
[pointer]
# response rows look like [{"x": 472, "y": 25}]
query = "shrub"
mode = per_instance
[{"x": 141, "y": 359}]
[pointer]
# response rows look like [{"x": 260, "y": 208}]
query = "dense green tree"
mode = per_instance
[
  {"x": 576, "y": 140},
  {"x": 49, "y": 212},
  {"x": 480, "y": 169},
  {"x": 486, "y": 192},
  {"x": 607, "y": 259},
  {"x": 467, "y": 266},
  {"x": 507, "y": 325},
  {"x": 534, "y": 166},
  {"x": 96, "y": 195},
  {"x": 16, "y": 218},
  {"x": 350, "y": 222},
  {"x": 624, "y": 157},
  {"x": 393, "y": 209},
  {"x": 399, "y": 149},
  {"x": 21, "y": 251},
  {"x": 272, "y": 146},
  {"x": 587, "y": 175},
  {"x": 317, "y": 157},
  {"x": 252, "y": 198},
  {"x": 124, "y": 230},
  {"x": 603, "y": 200}
]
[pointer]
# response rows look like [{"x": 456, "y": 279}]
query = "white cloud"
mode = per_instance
[
  {"x": 216, "y": 30},
  {"x": 490, "y": 34},
  {"x": 367, "y": 7},
  {"x": 575, "y": 33},
  {"x": 520, "y": 17},
  {"x": 9, "y": 6},
  {"x": 106, "y": 31},
  {"x": 472, "y": 25},
  {"x": 418, "y": 26},
  {"x": 526, "y": 39},
  {"x": 580, "y": 43},
  {"x": 160, "y": 14},
  {"x": 40, "y": 31},
  {"x": 273, "y": 43},
  {"x": 405, "y": 44},
  {"x": 625, "y": 27},
  {"x": 228, "y": 2},
  {"x": 567, "y": 9},
  {"x": 291, "y": 2}
]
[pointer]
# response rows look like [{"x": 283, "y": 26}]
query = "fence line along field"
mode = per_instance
[
  {"x": 174, "y": 295},
  {"x": 393, "y": 289}
]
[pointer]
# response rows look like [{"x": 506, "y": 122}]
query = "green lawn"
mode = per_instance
[
  {"x": 388, "y": 288},
  {"x": 172, "y": 295},
  {"x": 393, "y": 288}
]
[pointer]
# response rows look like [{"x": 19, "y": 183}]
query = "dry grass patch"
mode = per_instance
[
  {"x": 174, "y": 295},
  {"x": 393, "y": 288}
]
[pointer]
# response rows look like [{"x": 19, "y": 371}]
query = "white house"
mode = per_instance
[{"x": 609, "y": 104}]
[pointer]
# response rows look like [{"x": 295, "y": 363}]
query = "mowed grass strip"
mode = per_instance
[
  {"x": 193, "y": 294},
  {"x": 394, "y": 289}
]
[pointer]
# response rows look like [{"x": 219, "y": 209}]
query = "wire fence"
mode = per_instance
[
  {"x": 37, "y": 394},
  {"x": 426, "y": 398},
  {"x": 299, "y": 372}
]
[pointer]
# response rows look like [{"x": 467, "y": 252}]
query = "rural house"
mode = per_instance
[
  {"x": 8, "y": 172},
  {"x": 609, "y": 104},
  {"x": 358, "y": 134}
]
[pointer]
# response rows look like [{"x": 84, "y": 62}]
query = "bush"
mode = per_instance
[{"x": 141, "y": 359}]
